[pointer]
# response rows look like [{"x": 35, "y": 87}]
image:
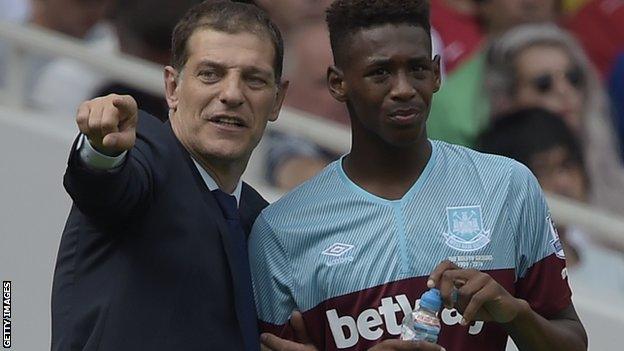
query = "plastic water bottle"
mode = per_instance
[{"x": 424, "y": 323}]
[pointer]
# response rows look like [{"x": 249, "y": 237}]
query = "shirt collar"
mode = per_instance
[{"x": 212, "y": 185}]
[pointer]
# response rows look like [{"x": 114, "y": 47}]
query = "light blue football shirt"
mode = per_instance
[{"x": 354, "y": 263}]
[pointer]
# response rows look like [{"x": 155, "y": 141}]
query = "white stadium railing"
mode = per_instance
[{"x": 34, "y": 143}]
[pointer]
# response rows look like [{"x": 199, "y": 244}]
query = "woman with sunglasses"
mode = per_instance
[{"x": 541, "y": 65}]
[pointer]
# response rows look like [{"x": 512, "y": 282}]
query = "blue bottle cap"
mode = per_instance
[{"x": 431, "y": 300}]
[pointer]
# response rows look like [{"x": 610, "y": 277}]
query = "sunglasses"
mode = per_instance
[{"x": 544, "y": 83}]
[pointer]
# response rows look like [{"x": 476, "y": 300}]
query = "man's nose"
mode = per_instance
[
  {"x": 231, "y": 93},
  {"x": 403, "y": 88}
]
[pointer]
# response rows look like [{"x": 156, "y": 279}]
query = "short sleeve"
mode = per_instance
[
  {"x": 540, "y": 261},
  {"x": 271, "y": 273}
]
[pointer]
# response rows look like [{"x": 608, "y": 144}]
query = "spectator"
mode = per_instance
[
  {"x": 309, "y": 56},
  {"x": 289, "y": 14},
  {"x": 616, "y": 92},
  {"x": 598, "y": 27},
  {"x": 543, "y": 66},
  {"x": 459, "y": 111},
  {"x": 542, "y": 141},
  {"x": 76, "y": 18},
  {"x": 497, "y": 16},
  {"x": 458, "y": 27},
  {"x": 144, "y": 37},
  {"x": 148, "y": 38},
  {"x": 291, "y": 159}
]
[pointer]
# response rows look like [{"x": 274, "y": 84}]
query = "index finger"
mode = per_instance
[
  {"x": 126, "y": 105},
  {"x": 436, "y": 275}
]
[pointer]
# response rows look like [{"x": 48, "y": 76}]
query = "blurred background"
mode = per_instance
[{"x": 540, "y": 81}]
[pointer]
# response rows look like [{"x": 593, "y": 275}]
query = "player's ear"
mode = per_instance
[
  {"x": 336, "y": 83},
  {"x": 437, "y": 75}
]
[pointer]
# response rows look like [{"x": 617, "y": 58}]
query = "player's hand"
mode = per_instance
[
  {"x": 400, "y": 345},
  {"x": 476, "y": 295},
  {"x": 109, "y": 123},
  {"x": 302, "y": 342}
]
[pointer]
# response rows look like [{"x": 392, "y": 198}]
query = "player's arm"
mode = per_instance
[
  {"x": 478, "y": 297},
  {"x": 563, "y": 331},
  {"x": 108, "y": 125}
]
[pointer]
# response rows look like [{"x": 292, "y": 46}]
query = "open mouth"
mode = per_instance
[{"x": 228, "y": 121}]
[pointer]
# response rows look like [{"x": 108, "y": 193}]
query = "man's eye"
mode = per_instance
[
  {"x": 209, "y": 76},
  {"x": 256, "y": 82},
  {"x": 379, "y": 72},
  {"x": 419, "y": 68}
]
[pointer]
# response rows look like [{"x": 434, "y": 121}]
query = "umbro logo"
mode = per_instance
[
  {"x": 341, "y": 253},
  {"x": 337, "y": 249}
]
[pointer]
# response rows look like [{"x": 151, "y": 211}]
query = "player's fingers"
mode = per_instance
[
  {"x": 299, "y": 327},
  {"x": 447, "y": 289},
  {"x": 451, "y": 281},
  {"x": 275, "y": 343},
  {"x": 82, "y": 117},
  {"x": 476, "y": 303},
  {"x": 468, "y": 290},
  {"x": 436, "y": 274},
  {"x": 126, "y": 105}
]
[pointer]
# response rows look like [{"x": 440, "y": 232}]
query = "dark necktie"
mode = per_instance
[{"x": 241, "y": 276}]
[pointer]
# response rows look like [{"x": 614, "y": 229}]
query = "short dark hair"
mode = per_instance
[
  {"x": 228, "y": 17},
  {"x": 346, "y": 17},
  {"x": 523, "y": 133}
]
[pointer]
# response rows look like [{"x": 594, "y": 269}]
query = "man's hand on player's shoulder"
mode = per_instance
[
  {"x": 476, "y": 295},
  {"x": 270, "y": 342}
]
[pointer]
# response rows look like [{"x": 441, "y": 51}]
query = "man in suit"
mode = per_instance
[{"x": 153, "y": 255}]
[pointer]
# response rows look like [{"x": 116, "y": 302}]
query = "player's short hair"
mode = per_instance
[
  {"x": 346, "y": 17},
  {"x": 229, "y": 17}
]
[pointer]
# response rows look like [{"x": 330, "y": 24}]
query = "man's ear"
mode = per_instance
[
  {"x": 336, "y": 83},
  {"x": 172, "y": 79},
  {"x": 282, "y": 88},
  {"x": 437, "y": 74}
]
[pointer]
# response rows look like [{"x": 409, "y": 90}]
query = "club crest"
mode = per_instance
[{"x": 465, "y": 229}]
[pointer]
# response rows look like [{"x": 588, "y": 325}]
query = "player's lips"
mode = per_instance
[
  {"x": 404, "y": 115},
  {"x": 228, "y": 121}
]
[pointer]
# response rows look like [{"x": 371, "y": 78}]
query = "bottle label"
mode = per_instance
[{"x": 420, "y": 318}]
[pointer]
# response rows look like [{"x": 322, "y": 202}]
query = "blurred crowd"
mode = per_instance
[{"x": 540, "y": 81}]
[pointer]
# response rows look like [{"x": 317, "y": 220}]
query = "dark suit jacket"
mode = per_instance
[{"x": 143, "y": 261}]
